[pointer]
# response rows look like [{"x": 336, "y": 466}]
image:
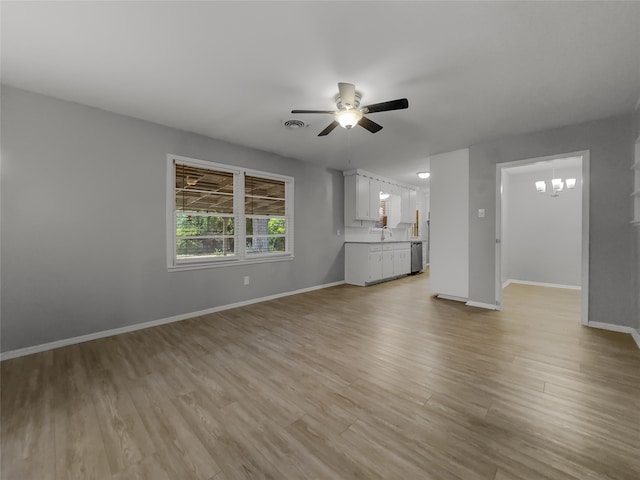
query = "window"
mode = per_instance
[
  {"x": 382, "y": 215},
  {"x": 265, "y": 214},
  {"x": 220, "y": 214},
  {"x": 204, "y": 213}
]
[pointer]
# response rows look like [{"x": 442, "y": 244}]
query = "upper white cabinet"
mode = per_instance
[
  {"x": 407, "y": 205},
  {"x": 362, "y": 199}
]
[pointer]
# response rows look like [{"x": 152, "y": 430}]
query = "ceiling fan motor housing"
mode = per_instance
[{"x": 342, "y": 106}]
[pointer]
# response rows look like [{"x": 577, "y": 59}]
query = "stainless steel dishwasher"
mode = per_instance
[{"x": 416, "y": 257}]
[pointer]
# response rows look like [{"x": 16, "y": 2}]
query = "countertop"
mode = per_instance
[{"x": 374, "y": 242}]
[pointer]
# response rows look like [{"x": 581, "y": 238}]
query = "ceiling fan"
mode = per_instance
[{"x": 348, "y": 112}]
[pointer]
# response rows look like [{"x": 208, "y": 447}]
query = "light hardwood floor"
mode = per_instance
[{"x": 341, "y": 383}]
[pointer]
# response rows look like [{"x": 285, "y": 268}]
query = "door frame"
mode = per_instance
[{"x": 584, "y": 284}]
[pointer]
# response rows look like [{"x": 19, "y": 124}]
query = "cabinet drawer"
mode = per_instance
[
  {"x": 397, "y": 246},
  {"x": 375, "y": 248}
]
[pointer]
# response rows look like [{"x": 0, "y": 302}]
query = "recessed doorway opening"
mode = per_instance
[{"x": 542, "y": 226}]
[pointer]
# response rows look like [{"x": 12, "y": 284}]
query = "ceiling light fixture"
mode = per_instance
[
  {"x": 348, "y": 118},
  {"x": 423, "y": 175},
  {"x": 557, "y": 185}
]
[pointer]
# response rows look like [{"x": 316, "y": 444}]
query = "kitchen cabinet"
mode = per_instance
[
  {"x": 368, "y": 263},
  {"x": 407, "y": 205},
  {"x": 375, "y": 268},
  {"x": 402, "y": 261},
  {"x": 361, "y": 199},
  {"x": 387, "y": 263}
]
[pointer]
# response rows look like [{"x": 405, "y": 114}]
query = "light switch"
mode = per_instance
[{"x": 481, "y": 213}]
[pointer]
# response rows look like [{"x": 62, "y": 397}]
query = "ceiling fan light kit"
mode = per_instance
[
  {"x": 348, "y": 118},
  {"x": 348, "y": 113}
]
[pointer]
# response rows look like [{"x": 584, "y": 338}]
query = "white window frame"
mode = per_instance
[{"x": 241, "y": 256}]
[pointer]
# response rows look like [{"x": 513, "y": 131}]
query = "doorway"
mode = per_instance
[{"x": 532, "y": 254}]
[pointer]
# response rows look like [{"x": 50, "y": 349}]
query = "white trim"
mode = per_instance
[
  {"x": 452, "y": 297},
  {"x": 375, "y": 176},
  {"x": 586, "y": 195},
  {"x": 230, "y": 263},
  {"x": 611, "y": 327},
  {"x": 635, "y": 334},
  {"x": 487, "y": 306},
  {"x": 542, "y": 284},
  {"x": 153, "y": 323},
  {"x": 584, "y": 283},
  {"x": 241, "y": 256}
]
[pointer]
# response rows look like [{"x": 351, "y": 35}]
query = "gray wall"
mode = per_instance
[
  {"x": 83, "y": 223},
  {"x": 542, "y": 235},
  {"x": 636, "y": 135},
  {"x": 612, "y": 265},
  {"x": 449, "y": 203}
]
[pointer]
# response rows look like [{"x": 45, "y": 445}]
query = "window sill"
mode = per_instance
[{"x": 230, "y": 263}]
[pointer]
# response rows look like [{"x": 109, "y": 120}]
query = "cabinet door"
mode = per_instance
[
  {"x": 374, "y": 199},
  {"x": 406, "y": 262},
  {"x": 387, "y": 264},
  {"x": 375, "y": 266},
  {"x": 397, "y": 262},
  {"x": 402, "y": 262},
  {"x": 362, "y": 198},
  {"x": 408, "y": 206}
]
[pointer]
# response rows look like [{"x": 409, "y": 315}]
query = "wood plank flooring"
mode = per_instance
[{"x": 382, "y": 382}]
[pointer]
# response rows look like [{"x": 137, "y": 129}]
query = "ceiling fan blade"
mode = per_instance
[
  {"x": 386, "y": 106},
  {"x": 372, "y": 126},
  {"x": 329, "y": 128},
  {"x": 313, "y": 111},
  {"x": 347, "y": 93}
]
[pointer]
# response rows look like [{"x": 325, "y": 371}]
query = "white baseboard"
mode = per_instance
[
  {"x": 540, "y": 284},
  {"x": 635, "y": 334},
  {"x": 488, "y": 306},
  {"x": 153, "y": 323},
  {"x": 444, "y": 296}
]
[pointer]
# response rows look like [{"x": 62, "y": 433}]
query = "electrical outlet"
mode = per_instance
[
  {"x": 246, "y": 280},
  {"x": 481, "y": 213}
]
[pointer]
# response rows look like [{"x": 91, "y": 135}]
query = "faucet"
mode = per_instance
[{"x": 382, "y": 235}]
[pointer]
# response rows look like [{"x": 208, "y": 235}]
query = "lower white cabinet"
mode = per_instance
[
  {"x": 387, "y": 264},
  {"x": 374, "y": 267},
  {"x": 367, "y": 263}
]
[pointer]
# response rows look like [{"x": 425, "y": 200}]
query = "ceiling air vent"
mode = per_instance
[{"x": 294, "y": 124}]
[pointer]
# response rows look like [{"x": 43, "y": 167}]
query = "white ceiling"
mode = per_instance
[{"x": 472, "y": 72}]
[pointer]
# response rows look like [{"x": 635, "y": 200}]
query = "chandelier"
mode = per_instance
[{"x": 557, "y": 185}]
